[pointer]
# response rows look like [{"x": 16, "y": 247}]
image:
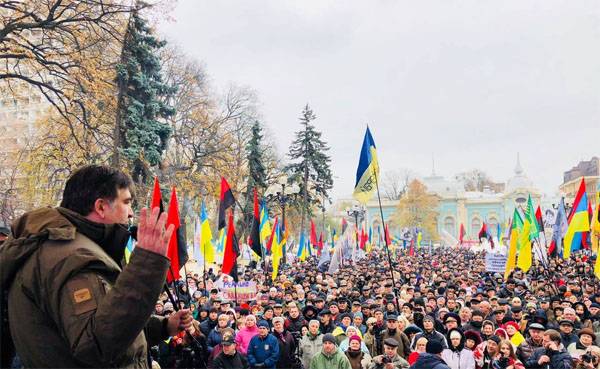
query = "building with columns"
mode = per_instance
[{"x": 470, "y": 208}]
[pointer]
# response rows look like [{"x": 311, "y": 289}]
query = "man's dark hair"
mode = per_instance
[{"x": 92, "y": 182}]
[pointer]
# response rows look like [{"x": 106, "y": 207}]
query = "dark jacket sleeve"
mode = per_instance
[
  {"x": 561, "y": 360},
  {"x": 155, "y": 330},
  {"x": 100, "y": 322}
]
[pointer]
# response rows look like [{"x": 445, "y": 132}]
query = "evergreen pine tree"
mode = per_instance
[
  {"x": 310, "y": 165},
  {"x": 141, "y": 133},
  {"x": 256, "y": 171}
]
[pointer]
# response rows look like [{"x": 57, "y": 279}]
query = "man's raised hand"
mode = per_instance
[{"x": 151, "y": 234}]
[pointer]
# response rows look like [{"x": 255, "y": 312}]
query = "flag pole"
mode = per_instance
[{"x": 385, "y": 236}]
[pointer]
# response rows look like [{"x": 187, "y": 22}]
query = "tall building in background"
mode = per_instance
[
  {"x": 590, "y": 170},
  {"x": 18, "y": 114}
]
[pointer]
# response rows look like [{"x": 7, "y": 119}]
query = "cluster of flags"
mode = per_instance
[{"x": 569, "y": 234}]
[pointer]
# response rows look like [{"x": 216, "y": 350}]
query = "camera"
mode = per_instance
[
  {"x": 386, "y": 360},
  {"x": 587, "y": 358}
]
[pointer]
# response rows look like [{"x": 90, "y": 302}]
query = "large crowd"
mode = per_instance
[{"x": 444, "y": 311}]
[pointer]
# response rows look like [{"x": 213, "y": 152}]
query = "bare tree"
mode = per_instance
[
  {"x": 52, "y": 45},
  {"x": 395, "y": 183}
]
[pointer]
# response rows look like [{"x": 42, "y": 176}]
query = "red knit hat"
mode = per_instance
[{"x": 355, "y": 337}]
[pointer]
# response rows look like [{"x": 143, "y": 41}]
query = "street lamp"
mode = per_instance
[
  {"x": 356, "y": 212},
  {"x": 282, "y": 192}
]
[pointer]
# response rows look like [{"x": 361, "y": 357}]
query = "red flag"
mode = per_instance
[
  {"x": 226, "y": 201},
  {"x": 387, "y": 235},
  {"x": 313, "y": 234},
  {"x": 254, "y": 240},
  {"x": 231, "y": 251},
  {"x": 363, "y": 239},
  {"x": 461, "y": 235},
  {"x": 411, "y": 252},
  {"x": 538, "y": 217},
  {"x": 173, "y": 251},
  {"x": 156, "y": 201}
]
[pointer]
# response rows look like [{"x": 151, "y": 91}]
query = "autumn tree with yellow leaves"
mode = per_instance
[{"x": 418, "y": 208}]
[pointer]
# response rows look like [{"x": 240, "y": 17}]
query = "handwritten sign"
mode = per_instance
[
  {"x": 245, "y": 290},
  {"x": 495, "y": 263}
]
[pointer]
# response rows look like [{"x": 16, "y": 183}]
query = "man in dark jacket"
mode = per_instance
[
  {"x": 552, "y": 355},
  {"x": 532, "y": 342},
  {"x": 211, "y": 322},
  {"x": 263, "y": 350},
  {"x": 432, "y": 358},
  {"x": 62, "y": 268},
  {"x": 295, "y": 320},
  {"x": 287, "y": 344},
  {"x": 430, "y": 333},
  {"x": 229, "y": 357}
]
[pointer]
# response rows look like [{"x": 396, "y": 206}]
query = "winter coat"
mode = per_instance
[
  {"x": 207, "y": 326},
  {"x": 359, "y": 360},
  {"x": 237, "y": 361},
  {"x": 525, "y": 350},
  {"x": 568, "y": 339},
  {"x": 402, "y": 339},
  {"x": 287, "y": 348},
  {"x": 309, "y": 347},
  {"x": 243, "y": 337},
  {"x": 214, "y": 338},
  {"x": 559, "y": 360},
  {"x": 70, "y": 304},
  {"x": 263, "y": 351},
  {"x": 397, "y": 361},
  {"x": 295, "y": 325},
  {"x": 337, "y": 360},
  {"x": 462, "y": 359},
  {"x": 429, "y": 361}
]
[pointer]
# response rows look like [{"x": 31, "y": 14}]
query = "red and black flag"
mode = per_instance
[
  {"x": 538, "y": 217},
  {"x": 231, "y": 251},
  {"x": 156, "y": 197},
  {"x": 254, "y": 240},
  {"x": 227, "y": 201},
  {"x": 177, "y": 251},
  {"x": 320, "y": 243}
]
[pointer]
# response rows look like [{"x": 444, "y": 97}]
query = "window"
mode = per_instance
[
  {"x": 493, "y": 226},
  {"x": 450, "y": 226},
  {"x": 475, "y": 227}
]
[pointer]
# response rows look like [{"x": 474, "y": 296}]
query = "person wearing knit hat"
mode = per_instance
[
  {"x": 357, "y": 356},
  {"x": 512, "y": 329},
  {"x": 487, "y": 352},
  {"x": 430, "y": 333},
  {"x": 352, "y": 331},
  {"x": 263, "y": 349},
  {"x": 456, "y": 355},
  {"x": 330, "y": 356}
]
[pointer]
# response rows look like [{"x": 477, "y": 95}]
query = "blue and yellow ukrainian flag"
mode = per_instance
[
  {"x": 579, "y": 221},
  {"x": 368, "y": 170}
]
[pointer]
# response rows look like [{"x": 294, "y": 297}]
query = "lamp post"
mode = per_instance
[
  {"x": 282, "y": 192},
  {"x": 356, "y": 212}
]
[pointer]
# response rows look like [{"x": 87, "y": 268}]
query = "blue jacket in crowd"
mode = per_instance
[{"x": 263, "y": 351}]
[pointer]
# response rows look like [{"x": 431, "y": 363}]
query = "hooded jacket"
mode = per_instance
[
  {"x": 429, "y": 361},
  {"x": 64, "y": 279},
  {"x": 458, "y": 357}
]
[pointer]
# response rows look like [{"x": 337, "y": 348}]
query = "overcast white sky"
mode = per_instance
[{"x": 470, "y": 82}]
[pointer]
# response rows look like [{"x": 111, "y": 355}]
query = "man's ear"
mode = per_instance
[{"x": 100, "y": 207}]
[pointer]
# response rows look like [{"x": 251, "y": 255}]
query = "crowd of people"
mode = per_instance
[{"x": 441, "y": 309}]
